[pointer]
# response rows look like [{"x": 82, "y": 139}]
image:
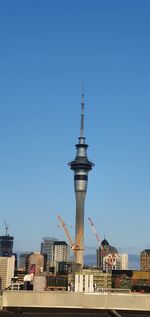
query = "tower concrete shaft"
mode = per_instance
[{"x": 81, "y": 166}]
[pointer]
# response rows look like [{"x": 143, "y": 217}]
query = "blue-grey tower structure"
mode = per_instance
[{"x": 81, "y": 166}]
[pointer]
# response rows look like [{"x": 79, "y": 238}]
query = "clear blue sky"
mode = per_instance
[{"x": 46, "y": 49}]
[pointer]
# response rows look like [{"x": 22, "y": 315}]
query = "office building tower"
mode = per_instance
[
  {"x": 101, "y": 252},
  {"x": 22, "y": 260},
  {"x": 145, "y": 260},
  {"x": 47, "y": 249},
  {"x": 7, "y": 267},
  {"x": 54, "y": 251},
  {"x": 6, "y": 245},
  {"x": 123, "y": 258},
  {"x": 60, "y": 255},
  {"x": 61, "y": 251},
  {"x": 81, "y": 166},
  {"x": 105, "y": 251}
]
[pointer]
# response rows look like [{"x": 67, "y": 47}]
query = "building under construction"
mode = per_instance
[{"x": 6, "y": 243}]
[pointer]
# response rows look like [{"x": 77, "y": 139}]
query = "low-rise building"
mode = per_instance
[{"x": 99, "y": 279}]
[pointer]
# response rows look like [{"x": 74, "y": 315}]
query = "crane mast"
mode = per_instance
[{"x": 74, "y": 247}]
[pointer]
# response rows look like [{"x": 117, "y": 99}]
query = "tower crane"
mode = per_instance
[
  {"x": 96, "y": 235},
  {"x": 110, "y": 259},
  {"x": 94, "y": 231},
  {"x": 74, "y": 246}
]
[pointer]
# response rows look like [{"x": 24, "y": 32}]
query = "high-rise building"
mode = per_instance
[
  {"x": 102, "y": 251},
  {"x": 81, "y": 166},
  {"x": 7, "y": 267},
  {"x": 105, "y": 252},
  {"x": 60, "y": 255},
  {"x": 22, "y": 260},
  {"x": 47, "y": 249},
  {"x": 61, "y": 251},
  {"x": 6, "y": 245},
  {"x": 145, "y": 260},
  {"x": 54, "y": 251},
  {"x": 123, "y": 261}
]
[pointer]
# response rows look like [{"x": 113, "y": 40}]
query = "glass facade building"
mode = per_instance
[{"x": 6, "y": 245}]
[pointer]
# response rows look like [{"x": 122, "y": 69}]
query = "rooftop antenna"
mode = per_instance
[
  {"x": 6, "y": 228},
  {"x": 82, "y": 112}
]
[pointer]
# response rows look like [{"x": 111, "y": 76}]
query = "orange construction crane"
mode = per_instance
[{"x": 74, "y": 246}]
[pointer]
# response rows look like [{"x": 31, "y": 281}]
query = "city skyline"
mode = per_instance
[{"x": 47, "y": 50}]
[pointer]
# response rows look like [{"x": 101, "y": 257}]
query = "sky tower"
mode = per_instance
[{"x": 81, "y": 166}]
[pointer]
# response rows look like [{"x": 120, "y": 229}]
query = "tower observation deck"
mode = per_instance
[{"x": 81, "y": 166}]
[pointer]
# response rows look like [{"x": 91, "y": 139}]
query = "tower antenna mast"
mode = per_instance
[
  {"x": 6, "y": 227},
  {"x": 82, "y": 113}
]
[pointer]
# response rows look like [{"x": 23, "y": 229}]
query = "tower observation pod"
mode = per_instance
[{"x": 81, "y": 166}]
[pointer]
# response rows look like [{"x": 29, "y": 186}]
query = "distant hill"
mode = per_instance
[
  {"x": 134, "y": 260},
  {"x": 90, "y": 259}
]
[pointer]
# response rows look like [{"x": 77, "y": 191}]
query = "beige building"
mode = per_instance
[
  {"x": 7, "y": 267},
  {"x": 60, "y": 253},
  {"x": 100, "y": 280},
  {"x": 124, "y": 261},
  {"x": 145, "y": 260},
  {"x": 35, "y": 263}
]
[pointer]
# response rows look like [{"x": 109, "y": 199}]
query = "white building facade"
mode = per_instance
[
  {"x": 7, "y": 268},
  {"x": 115, "y": 262}
]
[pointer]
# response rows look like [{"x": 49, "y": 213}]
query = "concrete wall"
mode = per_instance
[
  {"x": 132, "y": 301},
  {"x": 0, "y": 302},
  {"x": 42, "y": 299}
]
